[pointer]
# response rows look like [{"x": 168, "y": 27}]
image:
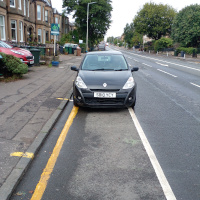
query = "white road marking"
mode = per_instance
[
  {"x": 146, "y": 65},
  {"x": 135, "y": 60},
  {"x": 158, "y": 170},
  {"x": 166, "y": 73},
  {"x": 195, "y": 84},
  {"x": 167, "y": 62},
  {"x": 162, "y": 64}
]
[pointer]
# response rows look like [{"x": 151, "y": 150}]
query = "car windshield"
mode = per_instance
[
  {"x": 104, "y": 62},
  {"x": 5, "y": 45}
]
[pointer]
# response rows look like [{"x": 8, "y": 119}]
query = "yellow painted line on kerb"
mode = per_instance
[
  {"x": 64, "y": 99},
  {"x": 41, "y": 186},
  {"x": 22, "y": 154}
]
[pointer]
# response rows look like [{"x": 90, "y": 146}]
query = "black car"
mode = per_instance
[{"x": 104, "y": 79}]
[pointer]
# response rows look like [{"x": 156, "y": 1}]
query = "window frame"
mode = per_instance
[
  {"x": 28, "y": 7},
  {"x": 20, "y": 4},
  {"x": 39, "y": 35},
  {"x": 46, "y": 16},
  {"x": 24, "y": 7},
  {"x": 21, "y": 31},
  {"x": 4, "y": 27},
  {"x": 38, "y": 12},
  {"x": 12, "y": 6},
  {"x": 44, "y": 36},
  {"x": 15, "y": 29}
]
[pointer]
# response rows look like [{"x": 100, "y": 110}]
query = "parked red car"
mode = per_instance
[{"x": 24, "y": 55}]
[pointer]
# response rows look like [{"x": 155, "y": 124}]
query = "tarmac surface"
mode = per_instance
[{"x": 28, "y": 110}]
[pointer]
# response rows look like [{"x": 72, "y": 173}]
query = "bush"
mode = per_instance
[
  {"x": 10, "y": 65},
  {"x": 189, "y": 50},
  {"x": 163, "y": 43}
]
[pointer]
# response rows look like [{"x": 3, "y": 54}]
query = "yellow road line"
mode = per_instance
[
  {"x": 41, "y": 186},
  {"x": 63, "y": 99},
  {"x": 22, "y": 154}
]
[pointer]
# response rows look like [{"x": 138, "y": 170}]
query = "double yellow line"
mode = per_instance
[{"x": 41, "y": 186}]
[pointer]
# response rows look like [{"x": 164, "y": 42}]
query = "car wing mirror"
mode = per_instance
[
  {"x": 134, "y": 69},
  {"x": 74, "y": 68}
]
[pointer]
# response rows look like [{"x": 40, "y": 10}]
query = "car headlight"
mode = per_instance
[
  {"x": 79, "y": 82},
  {"x": 129, "y": 83}
]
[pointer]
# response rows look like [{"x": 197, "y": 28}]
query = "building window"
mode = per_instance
[
  {"x": 2, "y": 27},
  {"x": 43, "y": 14},
  {"x": 14, "y": 30},
  {"x": 20, "y": 4},
  {"x": 46, "y": 15},
  {"x": 28, "y": 8},
  {"x": 25, "y": 7},
  {"x": 21, "y": 31},
  {"x": 44, "y": 34},
  {"x": 39, "y": 35},
  {"x": 12, "y": 3},
  {"x": 38, "y": 12},
  {"x": 47, "y": 35},
  {"x": 56, "y": 20}
]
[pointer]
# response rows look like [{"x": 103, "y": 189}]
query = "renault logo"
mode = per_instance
[{"x": 104, "y": 85}]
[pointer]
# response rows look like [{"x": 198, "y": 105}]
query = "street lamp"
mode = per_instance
[{"x": 87, "y": 23}]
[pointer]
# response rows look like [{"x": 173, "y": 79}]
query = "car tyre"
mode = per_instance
[
  {"x": 133, "y": 105},
  {"x": 75, "y": 102}
]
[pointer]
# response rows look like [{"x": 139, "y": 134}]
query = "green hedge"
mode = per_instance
[
  {"x": 189, "y": 50},
  {"x": 163, "y": 43},
  {"x": 11, "y": 65}
]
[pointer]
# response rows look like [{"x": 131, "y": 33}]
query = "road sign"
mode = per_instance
[{"x": 55, "y": 29}]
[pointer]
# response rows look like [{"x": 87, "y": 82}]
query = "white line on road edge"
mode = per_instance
[
  {"x": 166, "y": 73},
  {"x": 159, "y": 172},
  {"x": 147, "y": 65},
  {"x": 165, "y": 61},
  {"x": 162, "y": 64},
  {"x": 195, "y": 84}
]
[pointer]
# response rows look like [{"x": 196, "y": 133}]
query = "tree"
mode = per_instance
[
  {"x": 186, "y": 26},
  {"x": 99, "y": 19},
  {"x": 154, "y": 20},
  {"x": 128, "y": 34},
  {"x": 163, "y": 43},
  {"x": 137, "y": 39}
]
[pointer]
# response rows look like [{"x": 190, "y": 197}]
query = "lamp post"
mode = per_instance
[{"x": 87, "y": 24}]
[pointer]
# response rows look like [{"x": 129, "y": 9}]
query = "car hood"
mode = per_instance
[
  {"x": 24, "y": 51},
  {"x": 113, "y": 79}
]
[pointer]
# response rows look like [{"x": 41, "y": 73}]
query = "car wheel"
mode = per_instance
[
  {"x": 75, "y": 103},
  {"x": 133, "y": 105}
]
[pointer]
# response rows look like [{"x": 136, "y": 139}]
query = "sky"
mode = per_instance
[{"x": 125, "y": 10}]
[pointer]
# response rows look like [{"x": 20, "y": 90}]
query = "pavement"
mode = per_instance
[{"x": 28, "y": 110}]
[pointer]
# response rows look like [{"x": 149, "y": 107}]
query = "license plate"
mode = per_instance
[
  {"x": 105, "y": 94},
  {"x": 31, "y": 62}
]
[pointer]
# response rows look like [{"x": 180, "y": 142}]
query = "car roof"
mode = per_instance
[{"x": 104, "y": 53}]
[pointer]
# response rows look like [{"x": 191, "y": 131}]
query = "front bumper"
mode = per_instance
[{"x": 85, "y": 98}]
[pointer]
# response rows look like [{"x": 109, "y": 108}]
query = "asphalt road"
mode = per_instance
[
  {"x": 168, "y": 108},
  {"x": 102, "y": 156}
]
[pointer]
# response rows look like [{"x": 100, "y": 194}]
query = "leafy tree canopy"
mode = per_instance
[
  {"x": 128, "y": 34},
  {"x": 186, "y": 26},
  {"x": 99, "y": 18},
  {"x": 154, "y": 20}
]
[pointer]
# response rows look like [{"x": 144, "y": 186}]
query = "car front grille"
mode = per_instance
[
  {"x": 29, "y": 57},
  {"x": 105, "y": 90},
  {"x": 105, "y": 101}
]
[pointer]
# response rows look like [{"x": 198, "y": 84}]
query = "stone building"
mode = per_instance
[{"x": 24, "y": 21}]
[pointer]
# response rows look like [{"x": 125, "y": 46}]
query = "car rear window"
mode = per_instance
[{"x": 104, "y": 62}]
